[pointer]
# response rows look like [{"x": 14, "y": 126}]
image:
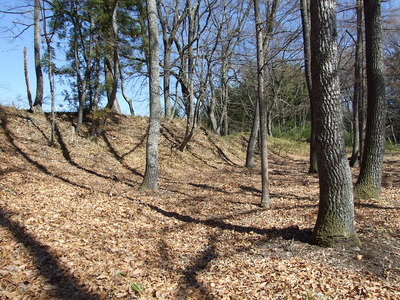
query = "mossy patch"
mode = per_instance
[{"x": 365, "y": 191}]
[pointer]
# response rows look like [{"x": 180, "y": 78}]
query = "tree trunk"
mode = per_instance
[
  {"x": 28, "y": 87},
  {"x": 358, "y": 86},
  {"x": 150, "y": 180},
  {"x": 113, "y": 66},
  {"x": 126, "y": 97},
  {"x": 370, "y": 179},
  {"x": 51, "y": 80},
  {"x": 167, "y": 78},
  {"x": 305, "y": 18},
  {"x": 253, "y": 139},
  {"x": 82, "y": 83},
  {"x": 38, "y": 65},
  {"x": 335, "y": 221},
  {"x": 265, "y": 202}
]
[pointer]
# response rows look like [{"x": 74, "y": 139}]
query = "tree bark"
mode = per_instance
[
  {"x": 370, "y": 179},
  {"x": 253, "y": 139},
  {"x": 51, "y": 78},
  {"x": 265, "y": 202},
  {"x": 358, "y": 86},
  {"x": 335, "y": 221},
  {"x": 38, "y": 65},
  {"x": 150, "y": 180},
  {"x": 305, "y": 17},
  {"x": 28, "y": 87},
  {"x": 113, "y": 64}
]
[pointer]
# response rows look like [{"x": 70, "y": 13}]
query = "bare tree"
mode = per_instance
[
  {"x": 171, "y": 18},
  {"x": 305, "y": 18},
  {"x": 48, "y": 38},
  {"x": 150, "y": 180},
  {"x": 265, "y": 202},
  {"x": 265, "y": 38},
  {"x": 111, "y": 67},
  {"x": 358, "y": 95},
  {"x": 28, "y": 87},
  {"x": 335, "y": 221},
  {"x": 37, "y": 105}
]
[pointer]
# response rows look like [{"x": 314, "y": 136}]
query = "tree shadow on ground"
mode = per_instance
[
  {"x": 38, "y": 165},
  {"x": 373, "y": 206},
  {"x": 200, "y": 264},
  {"x": 220, "y": 152},
  {"x": 66, "y": 286},
  {"x": 289, "y": 233},
  {"x": 66, "y": 153},
  {"x": 120, "y": 158}
]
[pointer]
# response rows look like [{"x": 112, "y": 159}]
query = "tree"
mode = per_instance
[
  {"x": 369, "y": 181},
  {"x": 169, "y": 27},
  {"x": 358, "y": 94},
  {"x": 265, "y": 202},
  {"x": 260, "y": 119},
  {"x": 150, "y": 180},
  {"x": 111, "y": 59},
  {"x": 335, "y": 221},
  {"x": 48, "y": 38},
  {"x": 37, "y": 105},
  {"x": 26, "y": 73},
  {"x": 305, "y": 18}
]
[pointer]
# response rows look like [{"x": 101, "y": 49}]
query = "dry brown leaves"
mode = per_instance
[{"x": 75, "y": 226}]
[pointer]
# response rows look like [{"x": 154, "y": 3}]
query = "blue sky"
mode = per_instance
[{"x": 12, "y": 80}]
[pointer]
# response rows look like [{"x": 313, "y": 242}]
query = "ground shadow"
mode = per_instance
[
  {"x": 200, "y": 264},
  {"x": 289, "y": 233},
  {"x": 220, "y": 152},
  {"x": 374, "y": 206},
  {"x": 66, "y": 286},
  {"x": 120, "y": 158},
  {"x": 209, "y": 187},
  {"x": 37, "y": 127},
  {"x": 39, "y": 166},
  {"x": 66, "y": 153}
]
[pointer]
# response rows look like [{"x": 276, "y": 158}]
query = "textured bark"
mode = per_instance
[
  {"x": 305, "y": 18},
  {"x": 150, "y": 180},
  {"x": 370, "y": 179},
  {"x": 335, "y": 221},
  {"x": 37, "y": 105}
]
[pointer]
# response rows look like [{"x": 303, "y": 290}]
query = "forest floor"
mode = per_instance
[{"x": 74, "y": 225}]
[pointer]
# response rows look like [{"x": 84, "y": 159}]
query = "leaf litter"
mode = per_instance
[{"x": 75, "y": 226}]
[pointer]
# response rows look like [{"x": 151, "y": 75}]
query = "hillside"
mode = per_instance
[{"x": 75, "y": 226}]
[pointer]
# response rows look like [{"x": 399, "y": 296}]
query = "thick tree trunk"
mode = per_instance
[
  {"x": 305, "y": 17},
  {"x": 150, "y": 180},
  {"x": 37, "y": 105},
  {"x": 335, "y": 221},
  {"x": 370, "y": 179}
]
